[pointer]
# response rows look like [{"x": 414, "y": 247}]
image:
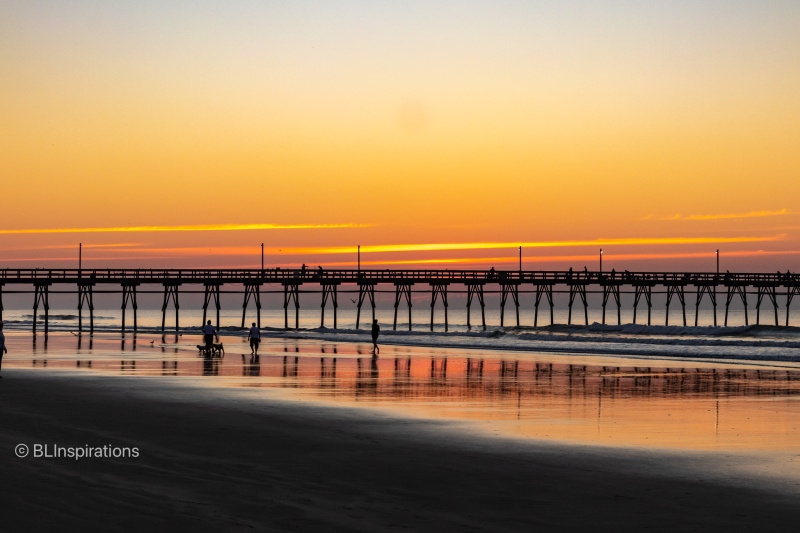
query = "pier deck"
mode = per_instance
[{"x": 734, "y": 285}]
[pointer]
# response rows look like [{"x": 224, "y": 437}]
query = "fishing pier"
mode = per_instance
[{"x": 766, "y": 287}]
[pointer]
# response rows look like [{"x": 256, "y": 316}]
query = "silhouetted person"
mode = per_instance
[
  {"x": 303, "y": 269},
  {"x": 3, "y": 348},
  {"x": 208, "y": 335},
  {"x": 491, "y": 273},
  {"x": 255, "y": 339},
  {"x": 376, "y": 331}
]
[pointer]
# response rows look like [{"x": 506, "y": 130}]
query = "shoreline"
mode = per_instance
[
  {"x": 215, "y": 458},
  {"x": 756, "y": 344}
]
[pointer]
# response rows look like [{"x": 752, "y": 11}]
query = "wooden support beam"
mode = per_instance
[
  {"x": 712, "y": 294},
  {"x": 546, "y": 290},
  {"x": 439, "y": 289},
  {"x": 578, "y": 289},
  {"x": 678, "y": 290},
  {"x": 645, "y": 290},
  {"x": 507, "y": 289},
  {"x": 329, "y": 291},
  {"x": 291, "y": 292},
  {"x": 41, "y": 296},
  {"x": 612, "y": 289},
  {"x": 211, "y": 293},
  {"x": 85, "y": 296},
  {"x": 129, "y": 296},
  {"x": 365, "y": 290},
  {"x": 170, "y": 294},
  {"x": 791, "y": 291},
  {"x": 251, "y": 289},
  {"x": 772, "y": 293},
  {"x": 476, "y": 289},
  {"x": 402, "y": 290},
  {"x": 733, "y": 290}
]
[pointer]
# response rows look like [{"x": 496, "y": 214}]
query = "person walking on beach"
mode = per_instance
[
  {"x": 255, "y": 339},
  {"x": 208, "y": 335},
  {"x": 376, "y": 331},
  {"x": 3, "y": 348}
]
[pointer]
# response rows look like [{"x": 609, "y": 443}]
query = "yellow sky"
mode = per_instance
[{"x": 665, "y": 128}]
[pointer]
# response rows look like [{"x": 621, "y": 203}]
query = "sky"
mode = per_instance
[{"x": 433, "y": 134}]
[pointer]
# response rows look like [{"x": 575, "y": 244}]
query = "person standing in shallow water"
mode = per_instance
[
  {"x": 255, "y": 339},
  {"x": 208, "y": 334},
  {"x": 376, "y": 331},
  {"x": 3, "y": 348}
]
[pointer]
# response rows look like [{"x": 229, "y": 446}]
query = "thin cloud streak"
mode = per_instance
[
  {"x": 609, "y": 258},
  {"x": 201, "y": 227},
  {"x": 442, "y": 247},
  {"x": 725, "y": 216},
  {"x": 133, "y": 253}
]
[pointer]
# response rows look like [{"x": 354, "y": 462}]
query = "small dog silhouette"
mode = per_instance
[{"x": 217, "y": 349}]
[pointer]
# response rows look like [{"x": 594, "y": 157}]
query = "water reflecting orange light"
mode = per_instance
[{"x": 589, "y": 399}]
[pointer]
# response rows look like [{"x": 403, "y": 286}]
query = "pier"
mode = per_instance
[{"x": 733, "y": 286}]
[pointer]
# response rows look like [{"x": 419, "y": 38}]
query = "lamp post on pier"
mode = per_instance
[
  {"x": 718, "y": 262},
  {"x": 601, "y": 260},
  {"x": 262, "y": 259},
  {"x": 359, "y": 259},
  {"x": 80, "y": 259},
  {"x": 520, "y": 260}
]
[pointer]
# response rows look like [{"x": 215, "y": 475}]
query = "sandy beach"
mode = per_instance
[{"x": 217, "y": 460}]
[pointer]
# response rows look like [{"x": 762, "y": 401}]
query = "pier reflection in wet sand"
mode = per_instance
[{"x": 592, "y": 399}]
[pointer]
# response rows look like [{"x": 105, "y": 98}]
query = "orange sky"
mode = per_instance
[{"x": 659, "y": 132}]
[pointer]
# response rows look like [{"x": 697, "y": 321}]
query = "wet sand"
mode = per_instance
[{"x": 216, "y": 459}]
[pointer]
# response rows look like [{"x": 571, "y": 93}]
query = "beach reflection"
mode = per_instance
[{"x": 592, "y": 399}]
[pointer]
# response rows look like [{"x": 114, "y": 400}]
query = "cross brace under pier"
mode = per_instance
[
  {"x": 791, "y": 291},
  {"x": 402, "y": 290},
  {"x": 578, "y": 289},
  {"x": 365, "y": 290},
  {"x": 673, "y": 290},
  {"x": 329, "y": 291},
  {"x": 211, "y": 294},
  {"x": 291, "y": 292},
  {"x": 772, "y": 293},
  {"x": 546, "y": 290},
  {"x": 612, "y": 290},
  {"x": 439, "y": 289},
  {"x": 507, "y": 289},
  {"x": 85, "y": 297},
  {"x": 251, "y": 290},
  {"x": 645, "y": 290},
  {"x": 41, "y": 296},
  {"x": 170, "y": 294},
  {"x": 733, "y": 290},
  {"x": 129, "y": 296},
  {"x": 711, "y": 290},
  {"x": 476, "y": 289}
]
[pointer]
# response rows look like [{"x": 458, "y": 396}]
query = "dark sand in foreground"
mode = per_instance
[{"x": 211, "y": 461}]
